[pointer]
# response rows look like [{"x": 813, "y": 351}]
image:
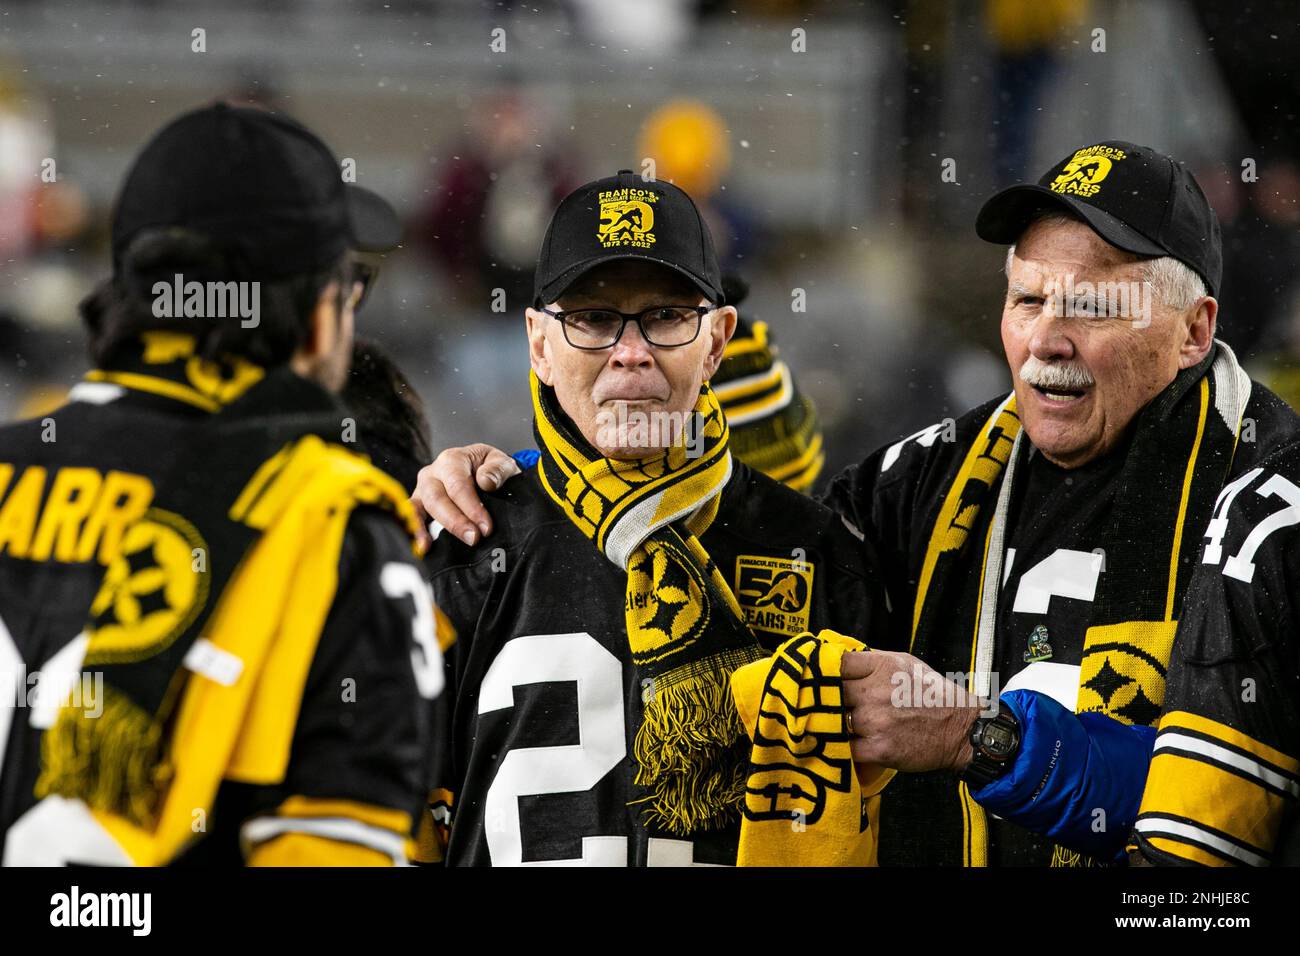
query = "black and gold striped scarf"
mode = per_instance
[
  {"x": 685, "y": 629},
  {"x": 1181, "y": 453},
  {"x": 805, "y": 802},
  {"x": 774, "y": 426}
]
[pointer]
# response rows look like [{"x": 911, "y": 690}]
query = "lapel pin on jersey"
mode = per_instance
[{"x": 1039, "y": 649}]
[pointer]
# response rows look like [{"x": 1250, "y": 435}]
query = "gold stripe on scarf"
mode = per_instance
[
  {"x": 984, "y": 462},
  {"x": 975, "y": 825},
  {"x": 1182, "y": 504},
  {"x": 811, "y": 456}
]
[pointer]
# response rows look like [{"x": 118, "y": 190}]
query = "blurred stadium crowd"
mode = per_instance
[{"x": 840, "y": 150}]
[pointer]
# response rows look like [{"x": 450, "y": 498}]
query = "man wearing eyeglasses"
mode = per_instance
[{"x": 633, "y": 568}]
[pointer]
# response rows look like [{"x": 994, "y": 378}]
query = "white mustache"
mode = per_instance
[{"x": 1055, "y": 375}]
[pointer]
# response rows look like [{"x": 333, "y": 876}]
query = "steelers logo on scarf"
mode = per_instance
[
  {"x": 151, "y": 590},
  {"x": 666, "y": 599}
]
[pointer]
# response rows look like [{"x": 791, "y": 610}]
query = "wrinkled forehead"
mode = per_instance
[
  {"x": 629, "y": 284},
  {"x": 1054, "y": 248}
]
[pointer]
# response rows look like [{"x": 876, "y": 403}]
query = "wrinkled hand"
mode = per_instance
[
  {"x": 906, "y": 715},
  {"x": 445, "y": 490}
]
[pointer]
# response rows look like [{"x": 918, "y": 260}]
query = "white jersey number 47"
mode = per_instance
[{"x": 1242, "y": 564}]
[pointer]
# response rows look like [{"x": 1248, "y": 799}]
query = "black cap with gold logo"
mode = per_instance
[
  {"x": 1133, "y": 197},
  {"x": 625, "y": 217}
]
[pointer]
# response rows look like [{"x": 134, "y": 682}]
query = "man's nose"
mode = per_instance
[
  {"x": 1049, "y": 339},
  {"x": 631, "y": 350}
]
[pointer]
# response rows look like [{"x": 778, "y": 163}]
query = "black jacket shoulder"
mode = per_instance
[{"x": 769, "y": 515}]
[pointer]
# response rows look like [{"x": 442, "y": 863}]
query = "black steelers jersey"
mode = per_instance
[
  {"x": 1225, "y": 772},
  {"x": 362, "y": 736},
  {"x": 1053, "y": 569},
  {"x": 70, "y": 486},
  {"x": 541, "y": 679}
]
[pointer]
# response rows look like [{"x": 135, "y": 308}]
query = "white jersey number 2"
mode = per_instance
[{"x": 571, "y": 768}]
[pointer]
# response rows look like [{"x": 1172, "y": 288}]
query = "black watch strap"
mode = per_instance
[{"x": 995, "y": 741}]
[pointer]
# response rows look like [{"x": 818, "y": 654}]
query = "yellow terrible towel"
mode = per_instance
[{"x": 804, "y": 803}]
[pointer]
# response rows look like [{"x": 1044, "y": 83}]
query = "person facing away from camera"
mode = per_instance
[{"x": 217, "y": 589}]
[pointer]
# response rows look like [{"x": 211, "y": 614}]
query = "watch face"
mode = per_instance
[{"x": 999, "y": 739}]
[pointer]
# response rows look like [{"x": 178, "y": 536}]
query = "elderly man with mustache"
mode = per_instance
[{"x": 1037, "y": 550}]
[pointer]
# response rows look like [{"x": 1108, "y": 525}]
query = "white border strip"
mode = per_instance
[
  {"x": 1171, "y": 738},
  {"x": 1163, "y": 826},
  {"x": 261, "y": 829}
]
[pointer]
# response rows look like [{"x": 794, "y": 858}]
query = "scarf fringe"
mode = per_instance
[
  {"x": 691, "y": 749},
  {"x": 1061, "y": 857},
  {"x": 113, "y": 762}
]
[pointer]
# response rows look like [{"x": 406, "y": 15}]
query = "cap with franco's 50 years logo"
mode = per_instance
[
  {"x": 255, "y": 183},
  {"x": 625, "y": 217},
  {"x": 1133, "y": 197}
]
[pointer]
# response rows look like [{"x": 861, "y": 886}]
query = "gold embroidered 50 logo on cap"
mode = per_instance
[
  {"x": 1082, "y": 175},
  {"x": 627, "y": 218}
]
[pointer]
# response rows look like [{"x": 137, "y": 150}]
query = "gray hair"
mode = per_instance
[{"x": 1174, "y": 282}]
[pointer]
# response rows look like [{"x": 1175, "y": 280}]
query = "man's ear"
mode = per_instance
[
  {"x": 538, "y": 350},
  {"x": 322, "y": 332},
  {"x": 1200, "y": 333},
  {"x": 721, "y": 329}
]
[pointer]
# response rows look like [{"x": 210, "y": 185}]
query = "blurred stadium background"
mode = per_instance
[{"x": 822, "y": 169}]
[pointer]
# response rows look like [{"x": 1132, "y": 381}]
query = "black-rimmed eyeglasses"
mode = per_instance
[{"x": 664, "y": 326}]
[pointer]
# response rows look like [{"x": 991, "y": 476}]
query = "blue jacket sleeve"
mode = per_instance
[{"x": 1077, "y": 779}]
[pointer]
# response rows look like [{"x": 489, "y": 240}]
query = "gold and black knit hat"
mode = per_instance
[{"x": 774, "y": 426}]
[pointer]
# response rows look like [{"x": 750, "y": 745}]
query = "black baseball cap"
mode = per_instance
[
  {"x": 256, "y": 183},
  {"x": 625, "y": 217},
  {"x": 1133, "y": 197}
]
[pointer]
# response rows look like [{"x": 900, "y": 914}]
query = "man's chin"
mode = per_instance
[
  {"x": 1061, "y": 445},
  {"x": 631, "y": 442},
  {"x": 636, "y": 429},
  {"x": 628, "y": 452}
]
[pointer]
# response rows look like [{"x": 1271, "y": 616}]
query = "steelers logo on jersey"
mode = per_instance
[
  {"x": 666, "y": 604},
  {"x": 775, "y": 593},
  {"x": 150, "y": 592}
]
